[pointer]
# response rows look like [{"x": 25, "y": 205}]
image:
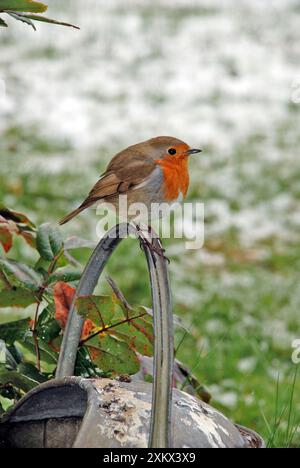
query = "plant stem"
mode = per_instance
[{"x": 104, "y": 329}]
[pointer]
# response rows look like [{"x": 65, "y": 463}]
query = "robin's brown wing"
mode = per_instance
[{"x": 126, "y": 170}]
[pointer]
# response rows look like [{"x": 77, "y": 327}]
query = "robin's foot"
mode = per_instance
[
  {"x": 158, "y": 250},
  {"x": 150, "y": 243}
]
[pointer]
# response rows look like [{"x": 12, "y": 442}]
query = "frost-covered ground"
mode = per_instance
[{"x": 220, "y": 74}]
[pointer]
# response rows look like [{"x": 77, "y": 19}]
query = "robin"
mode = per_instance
[{"x": 153, "y": 172}]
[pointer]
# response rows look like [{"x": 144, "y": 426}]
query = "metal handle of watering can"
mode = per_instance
[{"x": 161, "y": 418}]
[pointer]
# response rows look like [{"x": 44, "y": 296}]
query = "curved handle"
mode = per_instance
[{"x": 160, "y": 425}]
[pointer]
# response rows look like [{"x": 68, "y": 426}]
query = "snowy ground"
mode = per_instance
[{"x": 216, "y": 73}]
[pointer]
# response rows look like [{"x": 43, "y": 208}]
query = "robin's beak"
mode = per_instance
[{"x": 193, "y": 151}]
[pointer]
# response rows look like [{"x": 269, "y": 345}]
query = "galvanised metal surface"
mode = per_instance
[{"x": 103, "y": 413}]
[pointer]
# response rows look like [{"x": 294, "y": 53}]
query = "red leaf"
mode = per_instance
[
  {"x": 87, "y": 328},
  {"x": 15, "y": 216},
  {"x": 12, "y": 222},
  {"x": 29, "y": 237},
  {"x": 94, "y": 353},
  {"x": 6, "y": 238},
  {"x": 31, "y": 324},
  {"x": 63, "y": 298}
]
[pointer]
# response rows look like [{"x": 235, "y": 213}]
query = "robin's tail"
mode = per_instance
[
  {"x": 86, "y": 204},
  {"x": 72, "y": 215}
]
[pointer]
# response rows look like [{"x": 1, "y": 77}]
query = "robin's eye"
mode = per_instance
[{"x": 172, "y": 151}]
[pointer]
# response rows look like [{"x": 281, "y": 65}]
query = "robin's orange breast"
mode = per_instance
[{"x": 175, "y": 177}]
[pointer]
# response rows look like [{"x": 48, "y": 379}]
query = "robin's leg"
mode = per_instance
[{"x": 144, "y": 241}]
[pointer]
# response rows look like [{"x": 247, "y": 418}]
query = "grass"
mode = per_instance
[{"x": 284, "y": 427}]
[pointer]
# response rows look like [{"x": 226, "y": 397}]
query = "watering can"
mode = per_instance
[{"x": 76, "y": 412}]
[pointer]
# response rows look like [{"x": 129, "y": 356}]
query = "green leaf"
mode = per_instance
[
  {"x": 2, "y": 23},
  {"x": 42, "y": 266},
  {"x": 15, "y": 356},
  {"x": 99, "y": 309},
  {"x": 23, "y": 5},
  {"x": 31, "y": 371},
  {"x": 18, "y": 380},
  {"x": 138, "y": 330},
  {"x": 84, "y": 365},
  {"x": 63, "y": 261},
  {"x": 14, "y": 331},
  {"x": 20, "y": 275},
  {"x": 66, "y": 274},
  {"x": 5, "y": 403},
  {"x": 16, "y": 297},
  {"x": 134, "y": 326},
  {"x": 44, "y": 19},
  {"x": 47, "y": 327},
  {"x": 22, "y": 18},
  {"x": 48, "y": 357},
  {"x": 125, "y": 331},
  {"x": 10, "y": 362},
  {"x": 49, "y": 241},
  {"x": 138, "y": 333},
  {"x": 113, "y": 355}
]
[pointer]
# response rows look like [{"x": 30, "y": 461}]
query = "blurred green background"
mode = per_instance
[{"x": 222, "y": 75}]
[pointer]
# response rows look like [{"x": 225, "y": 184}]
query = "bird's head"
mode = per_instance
[{"x": 165, "y": 148}]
